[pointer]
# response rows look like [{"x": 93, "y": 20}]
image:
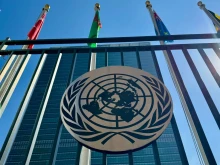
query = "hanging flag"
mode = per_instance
[
  {"x": 94, "y": 31},
  {"x": 217, "y": 17},
  {"x": 34, "y": 32},
  {"x": 161, "y": 27},
  {"x": 17, "y": 68}
]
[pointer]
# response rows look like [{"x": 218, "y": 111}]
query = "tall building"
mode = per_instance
[{"x": 41, "y": 138}]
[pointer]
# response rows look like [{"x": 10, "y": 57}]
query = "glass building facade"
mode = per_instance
[{"x": 41, "y": 138}]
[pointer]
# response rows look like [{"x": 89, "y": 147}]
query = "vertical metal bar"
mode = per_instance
[
  {"x": 6, "y": 66},
  {"x": 104, "y": 159},
  {"x": 156, "y": 153},
  {"x": 210, "y": 66},
  {"x": 11, "y": 75},
  {"x": 179, "y": 142},
  {"x": 159, "y": 75},
  {"x": 138, "y": 59},
  {"x": 72, "y": 67},
  {"x": 197, "y": 127},
  {"x": 202, "y": 87},
  {"x": 8, "y": 63},
  {"x": 21, "y": 111},
  {"x": 106, "y": 57},
  {"x": 85, "y": 157},
  {"x": 130, "y": 156},
  {"x": 217, "y": 51},
  {"x": 154, "y": 144},
  {"x": 3, "y": 46},
  {"x": 173, "y": 120},
  {"x": 12, "y": 80},
  {"x": 41, "y": 112},
  {"x": 78, "y": 153},
  {"x": 56, "y": 142},
  {"x": 180, "y": 92},
  {"x": 122, "y": 57},
  {"x": 60, "y": 124},
  {"x": 90, "y": 57}
]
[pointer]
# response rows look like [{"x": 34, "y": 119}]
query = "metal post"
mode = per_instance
[
  {"x": 202, "y": 6},
  {"x": 78, "y": 153},
  {"x": 130, "y": 156},
  {"x": 202, "y": 86},
  {"x": 85, "y": 156},
  {"x": 10, "y": 83},
  {"x": 156, "y": 153},
  {"x": 181, "y": 96},
  {"x": 191, "y": 115},
  {"x": 41, "y": 112},
  {"x": 210, "y": 66},
  {"x": 3, "y": 46},
  {"x": 56, "y": 143},
  {"x": 173, "y": 122},
  {"x": 7, "y": 65},
  {"x": 104, "y": 159},
  {"x": 20, "y": 114}
]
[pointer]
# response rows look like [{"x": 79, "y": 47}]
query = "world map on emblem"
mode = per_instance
[{"x": 116, "y": 109}]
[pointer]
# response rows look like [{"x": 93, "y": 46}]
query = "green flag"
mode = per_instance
[{"x": 94, "y": 31}]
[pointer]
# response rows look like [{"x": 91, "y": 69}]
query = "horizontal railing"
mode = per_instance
[
  {"x": 112, "y": 39},
  {"x": 214, "y": 46},
  {"x": 183, "y": 47}
]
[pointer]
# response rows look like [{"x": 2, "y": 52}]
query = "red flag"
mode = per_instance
[{"x": 33, "y": 34}]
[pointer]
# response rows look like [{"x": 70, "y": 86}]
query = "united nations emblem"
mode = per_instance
[{"x": 116, "y": 109}]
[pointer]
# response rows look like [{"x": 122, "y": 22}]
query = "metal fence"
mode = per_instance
[{"x": 202, "y": 141}]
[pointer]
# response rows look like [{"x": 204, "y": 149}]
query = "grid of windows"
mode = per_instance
[
  {"x": 168, "y": 151},
  {"x": 130, "y": 59},
  {"x": 67, "y": 147},
  {"x": 167, "y": 139},
  {"x": 100, "y": 60},
  {"x": 96, "y": 158},
  {"x": 114, "y": 58},
  {"x": 81, "y": 65},
  {"x": 46, "y": 138},
  {"x": 117, "y": 159},
  {"x": 145, "y": 155},
  {"x": 23, "y": 139},
  {"x": 147, "y": 63}
]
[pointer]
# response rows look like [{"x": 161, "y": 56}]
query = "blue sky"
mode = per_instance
[{"x": 73, "y": 19}]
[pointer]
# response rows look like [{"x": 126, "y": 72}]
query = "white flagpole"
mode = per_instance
[
  {"x": 85, "y": 156},
  {"x": 15, "y": 73},
  {"x": 8, "y": 63},
  {"x": 202, "y": 6},
  {"x": 18, "y": 121},
  {"x": 183, "y": 101}
]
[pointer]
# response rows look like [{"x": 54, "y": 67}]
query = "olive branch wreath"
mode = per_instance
[{"x": 88, "y": 133}]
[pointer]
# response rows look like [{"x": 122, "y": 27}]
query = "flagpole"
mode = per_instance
[
  {"x": 85, "y": 155},
  {"x": 174, "y": 78},
  {"x": 8, "y": 63},
  {"x": 9, "y": 84},
  {"x": 6, "y": 148},
  {"x": 202, "y": 6}
]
